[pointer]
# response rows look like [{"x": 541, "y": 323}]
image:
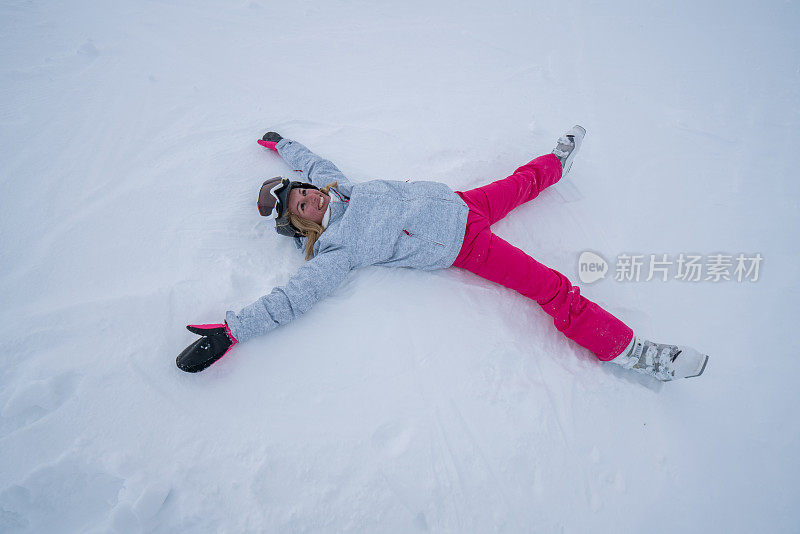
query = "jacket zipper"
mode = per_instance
[{"x": 423, "y": 238}]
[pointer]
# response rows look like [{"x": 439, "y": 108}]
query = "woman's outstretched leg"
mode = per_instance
[
  {"x": 580, "y": 319},
  {"x": 577, "y": 317},
  {"x": 498, "y": 198}
]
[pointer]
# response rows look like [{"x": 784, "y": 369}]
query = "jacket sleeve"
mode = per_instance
[
  {"x": 315, "y": 280},
  {"x": 320, "y": 171}
]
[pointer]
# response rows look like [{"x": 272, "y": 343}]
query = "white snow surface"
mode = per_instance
[{"x": 408, "y": 401}]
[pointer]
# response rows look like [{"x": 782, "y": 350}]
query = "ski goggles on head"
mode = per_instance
[
  {"x": 273, "y": 199},
  {"x": 273, "y": 196}
]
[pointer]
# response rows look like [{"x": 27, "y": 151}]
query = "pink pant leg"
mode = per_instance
[
  {"x": 495, "y": 200},
  {"x": 492, "y": 258}
]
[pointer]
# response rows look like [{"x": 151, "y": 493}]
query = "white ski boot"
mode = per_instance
[
  {"x": 664, "y": 362},
  {"x": 568, "y": 146}
]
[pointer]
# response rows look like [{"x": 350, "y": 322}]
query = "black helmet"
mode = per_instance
[{"x": 272, "y": 200}]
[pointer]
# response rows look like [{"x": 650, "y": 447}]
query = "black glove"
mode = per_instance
[
  {"x": 215, "y": 343},
  {"x": 272, "y": 137}
]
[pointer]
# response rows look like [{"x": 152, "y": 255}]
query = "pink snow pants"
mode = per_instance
[{"x": 492, "y": 258}]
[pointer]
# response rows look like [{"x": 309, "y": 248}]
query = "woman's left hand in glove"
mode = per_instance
[{"x": 269, "y": 140}]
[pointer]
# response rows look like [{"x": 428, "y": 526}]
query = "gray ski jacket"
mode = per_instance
[{"x": 380, "y": 222}]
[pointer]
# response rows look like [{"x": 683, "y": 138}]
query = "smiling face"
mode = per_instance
[{"x": 308, "y": 203}]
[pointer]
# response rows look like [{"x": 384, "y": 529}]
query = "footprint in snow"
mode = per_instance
[{"x": 392, "y": 439}]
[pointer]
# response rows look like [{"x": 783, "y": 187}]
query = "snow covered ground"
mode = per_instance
[{"x": 407, "y": 401}]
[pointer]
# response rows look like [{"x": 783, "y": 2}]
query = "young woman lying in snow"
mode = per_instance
[{"x": 425, "y": 225}]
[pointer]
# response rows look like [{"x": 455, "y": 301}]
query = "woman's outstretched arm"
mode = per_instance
[
  {"x": 320, "y": 171},
  {"x": 315, "y": 280}
]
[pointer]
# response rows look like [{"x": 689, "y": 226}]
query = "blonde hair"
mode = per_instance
[{"x": 310, "y": 229}]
